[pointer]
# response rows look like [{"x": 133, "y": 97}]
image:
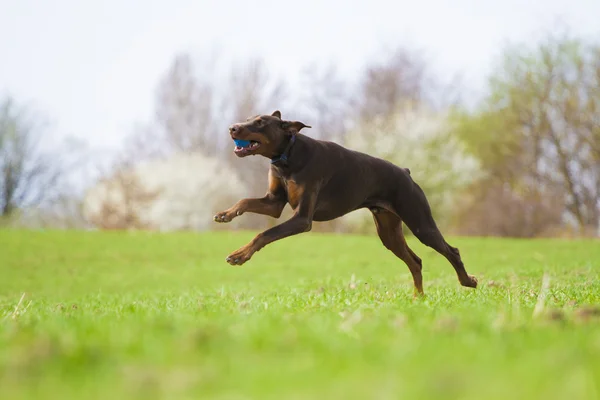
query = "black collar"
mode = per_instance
[{"x": 283, "y": 158}]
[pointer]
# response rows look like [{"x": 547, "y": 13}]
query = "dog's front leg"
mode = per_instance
[
  {"x": 300, "y": 222},
  {"x": 270, "y": 205}
]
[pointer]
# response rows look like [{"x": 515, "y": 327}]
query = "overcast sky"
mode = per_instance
[{"x": 93, "y": 66}]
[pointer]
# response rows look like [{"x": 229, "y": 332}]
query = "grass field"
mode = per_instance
[{"x": 142, "y": 315}]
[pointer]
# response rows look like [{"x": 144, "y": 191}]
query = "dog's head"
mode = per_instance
[{"x": 265, "y": 135}]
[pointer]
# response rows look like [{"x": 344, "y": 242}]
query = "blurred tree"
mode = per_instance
[
  {"x": 537, "y": 137},
  {"x": 31, "y": 173},
  {"x": 251, "y": 90},
  {"x": 398, "y": 79},
  {"x": 327, "y": 99},
  {"x": 185, "y": 109}
]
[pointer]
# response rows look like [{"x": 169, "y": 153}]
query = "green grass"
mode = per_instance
[{"x": 142, "y": 315}]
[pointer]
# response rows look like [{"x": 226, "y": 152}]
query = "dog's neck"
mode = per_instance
[{"x": 282, "y": 159}]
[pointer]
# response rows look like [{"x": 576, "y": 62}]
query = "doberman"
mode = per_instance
[{"x": 322, "y": 181}]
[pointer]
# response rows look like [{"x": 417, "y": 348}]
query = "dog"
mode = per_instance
[{"x": 322, "y": 181}]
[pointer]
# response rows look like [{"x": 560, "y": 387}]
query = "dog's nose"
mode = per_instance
[{"x": 234, "y": 128}]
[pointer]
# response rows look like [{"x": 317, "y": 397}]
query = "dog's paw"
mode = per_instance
[
  {"x": 224, "y": 216},
  {"x": 240, "y": 256},
  {"x": 472, "y": 282}
]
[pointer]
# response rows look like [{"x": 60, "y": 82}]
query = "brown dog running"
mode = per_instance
[{"x": 322, "y": 181}]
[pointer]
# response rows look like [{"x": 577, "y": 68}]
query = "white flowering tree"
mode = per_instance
[{"x": 181, "y": 192}]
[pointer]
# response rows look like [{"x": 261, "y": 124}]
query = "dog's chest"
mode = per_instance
[{"x": 293, "y": 191}]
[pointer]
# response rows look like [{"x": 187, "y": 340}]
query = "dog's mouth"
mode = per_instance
[{"x": 245, "y": 147}]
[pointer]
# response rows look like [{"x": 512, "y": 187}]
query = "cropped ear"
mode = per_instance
[
  {"x": 293, "y": 126},
  {"x": 276, "y": 114}
]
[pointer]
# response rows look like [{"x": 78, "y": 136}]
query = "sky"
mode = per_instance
[{"x": 92, "y": 67}]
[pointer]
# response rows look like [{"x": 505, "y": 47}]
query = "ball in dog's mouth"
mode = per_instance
[{"x": 243, "y": 146}]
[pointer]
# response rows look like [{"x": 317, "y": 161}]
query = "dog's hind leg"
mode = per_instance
[
  {"x": 434, "y": 239},
  {"x": 419, "y": 219},
  {"x": 389, "y": 229}
]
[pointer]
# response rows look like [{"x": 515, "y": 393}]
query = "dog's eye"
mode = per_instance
[{"x": 258, "y": 122}]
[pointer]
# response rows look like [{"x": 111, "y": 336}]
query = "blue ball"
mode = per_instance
[{"x": 241, "y": 143}]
